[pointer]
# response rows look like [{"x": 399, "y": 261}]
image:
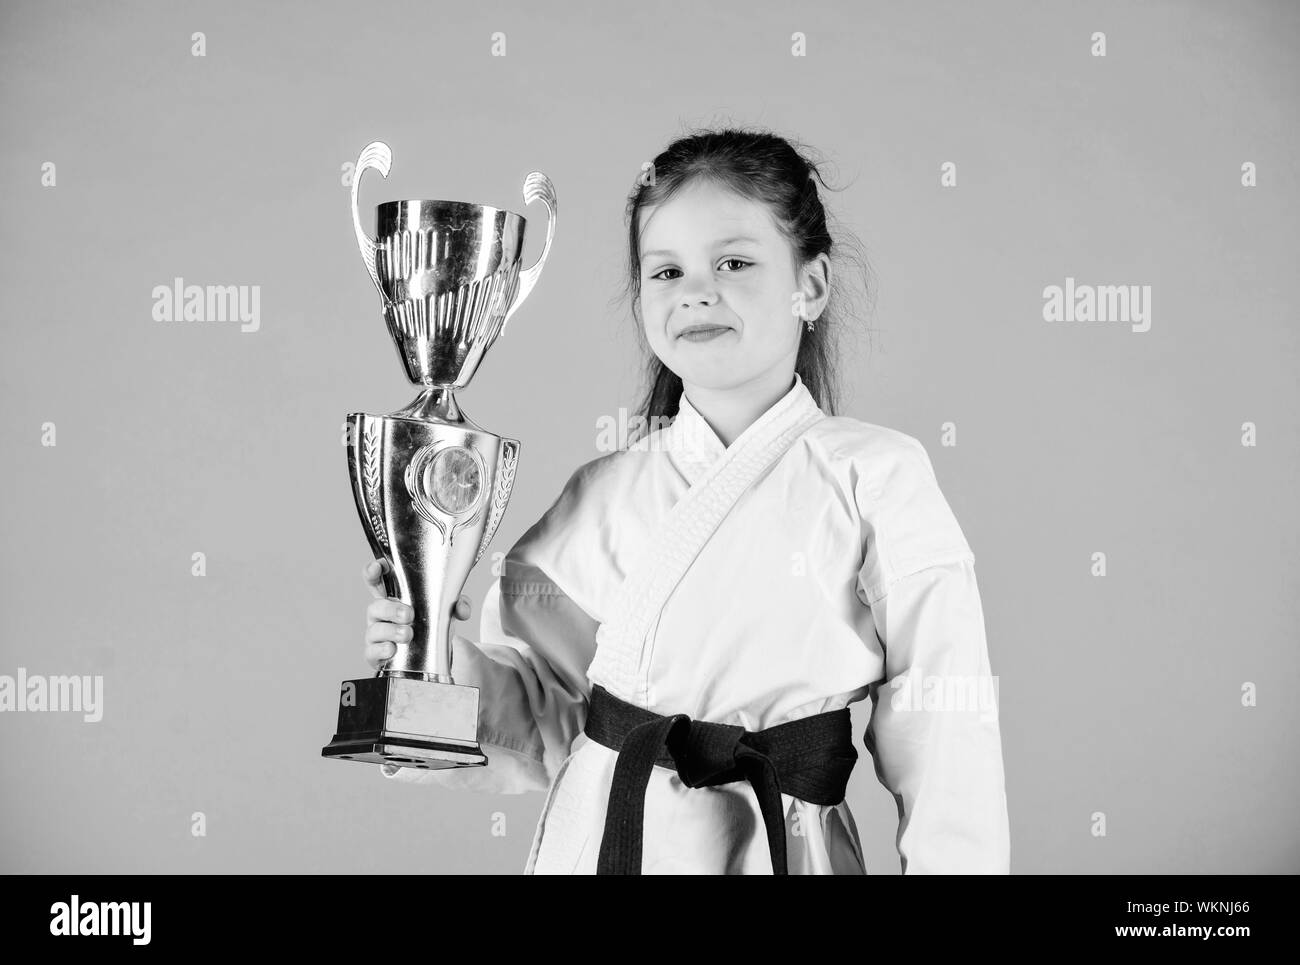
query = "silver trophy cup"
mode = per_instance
[{"x": 431, "y": 486}]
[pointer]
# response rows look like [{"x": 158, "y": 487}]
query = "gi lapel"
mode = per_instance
[{"x": 621, "y": 662}]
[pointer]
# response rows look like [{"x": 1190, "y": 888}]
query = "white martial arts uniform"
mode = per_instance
[{"x": 839, "y": 575}]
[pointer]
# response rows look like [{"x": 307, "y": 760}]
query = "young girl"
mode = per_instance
[{"x": 671, "y": 649}]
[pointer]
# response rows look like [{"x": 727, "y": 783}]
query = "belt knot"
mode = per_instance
[{"x": 705, "y": 753}]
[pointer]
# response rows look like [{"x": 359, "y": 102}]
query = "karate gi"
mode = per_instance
[{"x": 838, "y": 575}]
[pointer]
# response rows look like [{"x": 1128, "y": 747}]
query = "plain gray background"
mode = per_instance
[{"x": 1119, "y": 694}]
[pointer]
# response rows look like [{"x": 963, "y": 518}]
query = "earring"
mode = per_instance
[{"x": 809, "y": 322}]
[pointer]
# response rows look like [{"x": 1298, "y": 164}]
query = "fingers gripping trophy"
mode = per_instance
[{"x": 430, "y": 485}]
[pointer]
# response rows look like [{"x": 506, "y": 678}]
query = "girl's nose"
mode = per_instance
[{"x": 700, "y": 296}]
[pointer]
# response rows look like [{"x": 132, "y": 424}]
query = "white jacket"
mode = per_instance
[{"x": 840, "y": 575}]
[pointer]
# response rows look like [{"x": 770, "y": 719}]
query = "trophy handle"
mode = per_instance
[
  {"x": 537, "y": 187},
  {"x": 378, "y": 156}
]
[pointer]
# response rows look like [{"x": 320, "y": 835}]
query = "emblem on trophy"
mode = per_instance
[{"x": 429, "y": 484}]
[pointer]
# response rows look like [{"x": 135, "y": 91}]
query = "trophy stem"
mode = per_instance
[{"x": 436, "y": 403}]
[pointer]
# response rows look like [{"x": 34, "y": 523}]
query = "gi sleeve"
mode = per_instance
[
  {"x": 529, "y": 665},
  {"x": 934, "y": 734},
  {"x": 529, "y": 669}
]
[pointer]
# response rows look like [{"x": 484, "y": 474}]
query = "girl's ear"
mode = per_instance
[{"x": 815, "y": 283}]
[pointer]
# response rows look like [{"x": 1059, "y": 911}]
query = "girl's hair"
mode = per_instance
[{"x": 767, "y": 168}]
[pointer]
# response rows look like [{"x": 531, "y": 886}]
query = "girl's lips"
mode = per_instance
[{"x": 698, "y": 333}]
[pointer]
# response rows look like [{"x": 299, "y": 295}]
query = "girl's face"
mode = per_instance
[{"x": 711, "y": 257}]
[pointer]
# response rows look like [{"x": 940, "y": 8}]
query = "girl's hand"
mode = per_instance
[{"x": 389, "y": 618}]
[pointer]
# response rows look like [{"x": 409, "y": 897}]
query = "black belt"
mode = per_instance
[{"x": 810, "y": 759}]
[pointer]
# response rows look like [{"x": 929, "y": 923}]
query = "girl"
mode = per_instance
[{"x": 671, "y": 649}]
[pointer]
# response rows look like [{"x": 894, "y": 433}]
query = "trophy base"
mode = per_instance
[{"x": 407, "y": 722}]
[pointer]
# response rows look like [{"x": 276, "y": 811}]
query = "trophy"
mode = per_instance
[{"x": 431, "y": 486}]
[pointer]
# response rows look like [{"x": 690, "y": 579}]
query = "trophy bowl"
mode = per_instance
[{"x": 447, "y": 270}]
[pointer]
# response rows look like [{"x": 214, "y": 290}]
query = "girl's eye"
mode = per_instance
[{"x": 725, "y": 261}]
